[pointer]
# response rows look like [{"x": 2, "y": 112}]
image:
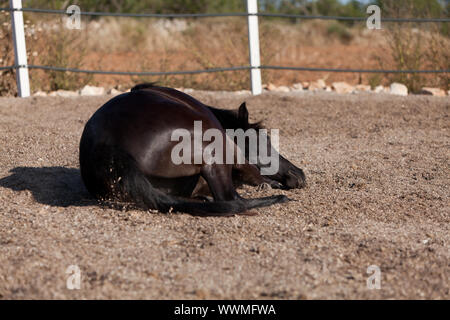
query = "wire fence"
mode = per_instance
[
  {"x": 239, "y": 68},
  {"x": 251, "y": 67}
]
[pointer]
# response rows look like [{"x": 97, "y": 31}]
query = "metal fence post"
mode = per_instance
[
  {"x": 253, "y": 43},
  {"x": 20, "y": 49}
]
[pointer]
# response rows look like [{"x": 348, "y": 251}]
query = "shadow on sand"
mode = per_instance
[{"x": 54, "y": 186}]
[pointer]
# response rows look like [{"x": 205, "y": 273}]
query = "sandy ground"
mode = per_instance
[{"x": 378, "y": 194}]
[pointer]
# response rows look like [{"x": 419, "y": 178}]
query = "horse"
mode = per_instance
[{"x": 126, "y": 149}]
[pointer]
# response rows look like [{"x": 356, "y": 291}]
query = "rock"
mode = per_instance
[
  {"x": 317, "y": 85},
  {"x": 433, "y": 92},
  {"x": 305, "y": 85},
  {"x": 363, "y": 87},
  {"x": 243, "y": 92},
  {"x": 114, "y": 92},
  {"x": 297, "y": 87},
  {"x": 40, "y": 94},
  {"x": 63, "y": 93},
  {"x": 328, "y": 89},
  {"x": 379, "y": 89},
  {"x": 271, "y": 87},
  {"x": 342, "y": 87},
  {"x": 398, "y": 89},
  {"x": 92, "y": 91},
  {"x": 282, "y": 89}
]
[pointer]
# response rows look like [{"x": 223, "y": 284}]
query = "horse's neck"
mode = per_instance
[{"x": 227, "y": 118}]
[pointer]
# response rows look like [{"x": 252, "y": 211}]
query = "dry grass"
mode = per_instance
[
  {"x": 7, "y": 77},
  {"x": 415, "y": 46},
  {"x": 412, "y": 49}
]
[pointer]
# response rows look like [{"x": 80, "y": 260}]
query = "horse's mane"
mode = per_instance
[
  {"x": 229, "y": 120},
  {"x": 142, "y": 86}
]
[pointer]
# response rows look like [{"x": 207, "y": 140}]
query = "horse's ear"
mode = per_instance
[{"x": 243, "y": 113}]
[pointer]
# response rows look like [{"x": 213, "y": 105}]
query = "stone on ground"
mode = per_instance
[
  {"x": 433, "y": 92},
  {"x": 398, "y": 89},
  {"x": 342, "y": 87},
  {"x": 282, "y": 89},
  {"x": 297, "y": 87},
  {"x": 40, "y": 94},
  {"x": 92, "y": 91},
  {"x": 318, "y": 85},
  {"x": 114, "y": 92},
  {"x": 63, "y": 93},
  {"x": 379, "y": 89},
  {"x": 363, "y": 87}
]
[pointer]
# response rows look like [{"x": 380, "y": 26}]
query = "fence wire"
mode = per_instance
[
  {"x": 138, "y": 73},
  {"x": 351, "y": 70},
  {"x": 237, "y": 68},
  {"x": 8, "y": 68}
]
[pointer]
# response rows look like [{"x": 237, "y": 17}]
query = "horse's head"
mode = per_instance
[{"x": 287, "y": 173}]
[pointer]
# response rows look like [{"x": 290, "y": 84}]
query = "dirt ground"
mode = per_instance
[{"x": 378, "y": 175}]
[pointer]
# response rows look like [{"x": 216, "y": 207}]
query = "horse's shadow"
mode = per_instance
[{"x": 54, "y": 186}]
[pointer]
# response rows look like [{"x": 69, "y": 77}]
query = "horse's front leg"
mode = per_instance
[{"x": 249, "y": 174}]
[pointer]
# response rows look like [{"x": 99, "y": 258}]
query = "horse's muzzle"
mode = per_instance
[{"x": 295, "y": 179}]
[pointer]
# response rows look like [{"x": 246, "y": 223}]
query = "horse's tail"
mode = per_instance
[{"x": 110, "y": 173}]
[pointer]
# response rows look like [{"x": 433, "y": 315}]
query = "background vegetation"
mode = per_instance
[{"x": 353, "y": 8}]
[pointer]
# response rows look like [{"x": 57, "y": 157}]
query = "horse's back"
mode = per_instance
[{"x": 150, "y": 110}]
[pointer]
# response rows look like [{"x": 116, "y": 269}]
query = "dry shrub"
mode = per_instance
[
  {"x": 438, "y": 55},
  {"x": 213, "y": 43},
  {"x": 226, "y": 45},
  {"x": 7, "y": 77},
  {"x": 63, "y": 48},
  {"x": 415, "y": 47},
  {"x": 412, "y": 49},
  {"x": 48, "y": 43}
]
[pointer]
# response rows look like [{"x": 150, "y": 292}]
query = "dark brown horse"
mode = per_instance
[{"x": 126, "y": 149}]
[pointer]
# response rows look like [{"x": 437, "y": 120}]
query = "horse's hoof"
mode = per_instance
[
  {"x": 264, "y": 186},
  {"x": 276, "y": 185},
  {"x": 283, "y": 199}
]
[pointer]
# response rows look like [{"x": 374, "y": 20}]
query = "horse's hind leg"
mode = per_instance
[{"x": 201, "y": 190}]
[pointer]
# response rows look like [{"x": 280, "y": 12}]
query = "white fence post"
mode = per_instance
[
  {"x": 253, "y": 43},
  {"x": 20, "y": 49}
]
